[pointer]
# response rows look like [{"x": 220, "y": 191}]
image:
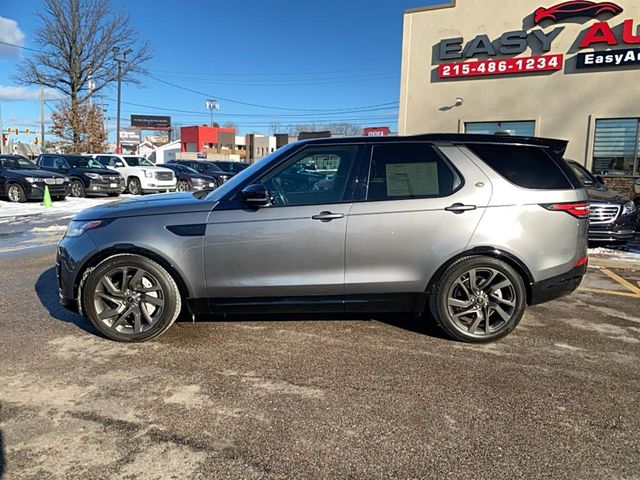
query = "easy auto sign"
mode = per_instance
[{"x": 500, "y": 55}]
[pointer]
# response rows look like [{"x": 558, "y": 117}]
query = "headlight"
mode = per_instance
[
  {"x": 76, "y": 228},
  {"x": 34, "y": 179},
  {"x": 148, "y": 174},
  {"x": 224, "y": 178},
  {"x": 629, "y": 208},
  {"x": 94, "y": 176}
]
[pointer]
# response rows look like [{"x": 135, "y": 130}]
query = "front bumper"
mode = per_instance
[
  {"x": 105, "y": 187},
  {"x": 611, "y": 233},
  {"x": 152, "y": 185},
  {"x": 558, "y": 286},
  {"x": 35, "y": 191}
]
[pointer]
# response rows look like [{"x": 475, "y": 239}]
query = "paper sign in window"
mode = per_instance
[{"x": 412, "y": 179}]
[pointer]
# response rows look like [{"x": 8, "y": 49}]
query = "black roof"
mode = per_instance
[{"x": 559, "y": 146}]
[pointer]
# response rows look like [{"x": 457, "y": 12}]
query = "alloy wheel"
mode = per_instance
[
  {"x": 129, "y": 300},
  {"x": 133, "y": 187},
  {"x": 481, "y": 302},
  {"x": 76, "y": 189},
  {"x": 183, "y": 186},
  {"x": 14, "y": 193}
]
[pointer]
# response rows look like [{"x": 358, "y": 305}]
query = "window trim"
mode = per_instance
[
  {"x": 349, "y": 195},
  {"x": 636, "y": 159},
  {"x": 436, "y": 150}
]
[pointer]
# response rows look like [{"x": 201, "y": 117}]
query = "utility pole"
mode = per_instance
[
  {"x": 42, "y": 117},
  {"x": 120, "y": 61},
  {"x": 1, "y": 133},
  {"x": 211, "y": 106}
]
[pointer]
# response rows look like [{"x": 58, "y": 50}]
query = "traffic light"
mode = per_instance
[
  {"x": 27, "y": 131},
  {"x": 5, "y": 139}
]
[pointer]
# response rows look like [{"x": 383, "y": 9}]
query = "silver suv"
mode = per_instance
[{"x": 464, "y": 229}]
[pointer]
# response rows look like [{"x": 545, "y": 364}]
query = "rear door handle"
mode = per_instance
[
  {"x": 327, "y": 216},
  {"x": 460, "y": 208}
]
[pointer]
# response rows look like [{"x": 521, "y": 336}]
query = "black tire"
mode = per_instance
[
  {"x": 117, "y": 324},
  {"x": 77, "y": 189},
  {"x": 59, "y": 198},
  {"x": 113, "y": 194},
  {"x": 183, "y": 186},
  {"x": 133, "y": 186},
  {"x": 462, "y": 311},
  {"x": 15, "y": 193}
]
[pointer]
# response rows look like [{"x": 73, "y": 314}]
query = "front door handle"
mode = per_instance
[
  {"x": 460, "y": 208},
  {"x": 327, "y": 216}
]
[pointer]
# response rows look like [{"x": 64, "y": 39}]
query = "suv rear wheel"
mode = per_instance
[
  {"x": 478, "y": 299},
  {"x": 133, "y": 185},
  {"x": 130, "y": 298}
]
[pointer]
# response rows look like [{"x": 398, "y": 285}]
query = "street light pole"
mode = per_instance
[
  {"x": 41, "y": 116},
  {"x": 120, "y": 61},
  {"x": 211, "y": 106}
]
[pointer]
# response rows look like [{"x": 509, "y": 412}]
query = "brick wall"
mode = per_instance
[{"x": 621, "y": 184}]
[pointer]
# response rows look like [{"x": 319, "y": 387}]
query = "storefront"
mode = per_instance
[{"x": 565, "y": 70}]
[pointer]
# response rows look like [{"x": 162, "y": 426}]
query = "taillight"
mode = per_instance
[
  {"x": 582, "y": 261},
  {"x": 577, "y": 209}
]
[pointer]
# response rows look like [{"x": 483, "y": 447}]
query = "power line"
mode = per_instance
[
  {"x": 257, "y": 105},
  {"x": 274, "y": 115},
  {"x": 273, "y": 74},
  {"x": 22, "y": 47}
]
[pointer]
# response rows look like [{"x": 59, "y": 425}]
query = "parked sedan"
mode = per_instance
[
  {"x": 190, "y": 179},
  {"x": 22, "y": 180},
  {"x": 86, "y": 175},
  {"x": 206, "y": 168},
  {"x": 230, "y": 167},
  {"x": 613, "y": 216}
]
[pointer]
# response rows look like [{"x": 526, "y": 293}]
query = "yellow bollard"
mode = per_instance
[{"x": 46, "y": 200}]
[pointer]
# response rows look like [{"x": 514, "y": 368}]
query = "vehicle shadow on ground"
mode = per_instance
[
  {"x": 3, "y": 461},
  {"x": 405, "y": 321},
  {"x": 47, "y": 291}
]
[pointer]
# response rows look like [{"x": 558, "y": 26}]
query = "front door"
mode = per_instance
[{"x": 290, "y": 253}]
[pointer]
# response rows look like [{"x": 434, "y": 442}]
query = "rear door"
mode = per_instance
[{"x": 421, "y": 207}]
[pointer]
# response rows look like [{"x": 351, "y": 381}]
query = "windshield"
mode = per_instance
[
  {"x": 212, "y": 167},
  {"x": 248, "y": 172},
  {"x": 138, "y": 162},
  {"x": 84, "y": 162},
  {"x": 17, "y": 163},
  {"x": 585, "y": 177}
]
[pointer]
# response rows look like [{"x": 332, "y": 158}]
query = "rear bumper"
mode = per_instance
[{"x": 558, "y": 286}]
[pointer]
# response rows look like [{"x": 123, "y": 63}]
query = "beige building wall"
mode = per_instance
[{"x": 564, "y": 105}]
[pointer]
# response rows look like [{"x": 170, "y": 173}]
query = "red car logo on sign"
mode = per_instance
[{"x": 574, "y": 9}]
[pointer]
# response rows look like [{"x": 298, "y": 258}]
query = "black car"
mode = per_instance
[
  {"x": 231, "y": 167},
  {"x": 86, "y": 175},
  {"x": 22, "y": 180},
  {"x": 613, "y": 216},
  {"x": 206, "y": 168},
  {"x": 190, "y": 179}
]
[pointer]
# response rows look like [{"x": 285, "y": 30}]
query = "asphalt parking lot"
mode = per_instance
[{"x": 286, "y": 397}]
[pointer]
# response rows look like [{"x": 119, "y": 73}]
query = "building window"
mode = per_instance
[
  {"x": 616, "y": 148},
  {"x": 524, "y": 129}
]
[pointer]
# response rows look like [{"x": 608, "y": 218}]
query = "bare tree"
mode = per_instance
[
  {"x": 80, "y": 126},
  {"x": 275, "y": 127},
  {"x": 344, "y": 129},
  {"x": 76, "y": 39},
  {"x": 231, "y": 125}
]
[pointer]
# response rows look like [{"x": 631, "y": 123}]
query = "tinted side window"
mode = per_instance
[
  {"x": 405, "y": 171},
  {"x": 46, "y": 161},
  {"x": 526, "y": 167},
  {"x": 103, "y": 159}
]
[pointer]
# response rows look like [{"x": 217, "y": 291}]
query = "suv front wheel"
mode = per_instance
[
  {"x": 478, "y": 299},
  {"x": 130, "y": 298}
]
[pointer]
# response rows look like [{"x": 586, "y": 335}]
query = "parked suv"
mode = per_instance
[
  {"x": 613, "y": 216},
  {"x": 466, "y": 228},
  {"x": 141, "y": 176},
  {"x": 86, "y": 175},
  {"x": 230, "y": 166},
  {"x": 22, "y": 180}
]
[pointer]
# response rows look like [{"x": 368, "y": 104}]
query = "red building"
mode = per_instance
[{"x": 207, "y": 139}]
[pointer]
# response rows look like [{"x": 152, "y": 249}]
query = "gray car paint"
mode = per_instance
[{"x": 378, "y": 247}]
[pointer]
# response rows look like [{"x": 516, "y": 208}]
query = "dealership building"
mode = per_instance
[{"x": 566, "y": 70}]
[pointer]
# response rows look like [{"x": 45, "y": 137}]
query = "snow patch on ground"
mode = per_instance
[
  {"x": 623, "y": 255},
  {"x": 10, "y": 211},
  {"x": 50, "y": 228}
]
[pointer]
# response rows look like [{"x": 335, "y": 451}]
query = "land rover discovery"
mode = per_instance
[{"x": 464, "y": 229}]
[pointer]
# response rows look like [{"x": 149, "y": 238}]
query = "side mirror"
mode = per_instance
[
  {"x": 256, "y": 195},
  {"x": 600, "y": 179}
]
